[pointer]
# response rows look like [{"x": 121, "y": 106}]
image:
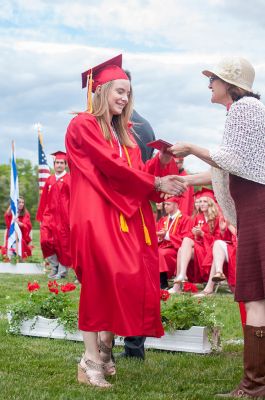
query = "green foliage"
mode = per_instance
[
  {"x": 28, "y": 187},
  {"x": 185, "y": 311},
  {"x": 44, "y": 303}
]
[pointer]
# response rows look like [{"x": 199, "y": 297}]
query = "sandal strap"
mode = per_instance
[
  {"x": 92, "y": 365},
  {"x": 104, "y": 349}
]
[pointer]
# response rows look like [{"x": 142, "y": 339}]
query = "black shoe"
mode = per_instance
[{"x": 126, "y": 355}]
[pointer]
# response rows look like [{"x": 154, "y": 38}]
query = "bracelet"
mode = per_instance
[{"x": 158, "y": 184}]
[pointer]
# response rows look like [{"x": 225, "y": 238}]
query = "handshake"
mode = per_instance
[{"x": 173, "y": 185}]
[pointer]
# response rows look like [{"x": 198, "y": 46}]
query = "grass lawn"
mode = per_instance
[{"x": 45, "y": 369}]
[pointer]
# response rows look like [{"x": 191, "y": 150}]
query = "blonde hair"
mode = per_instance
[
  {"x": 120, "y": 122},
  {"x": 212, "y": 213}
]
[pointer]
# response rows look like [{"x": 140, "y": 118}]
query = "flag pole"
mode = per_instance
[{"x": 16, "y": 235}]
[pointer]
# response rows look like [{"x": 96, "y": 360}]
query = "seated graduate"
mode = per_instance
[
  {"x": 171, "y": 230},
  {"x": 196, "y": 247}
]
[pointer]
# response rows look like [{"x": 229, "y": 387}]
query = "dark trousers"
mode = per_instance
[
  {"x": 163, "y": 280},
  {"x": 134, "y": 346}
]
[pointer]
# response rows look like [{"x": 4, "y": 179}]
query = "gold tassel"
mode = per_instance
[
  {"x": 146, "y": 233},
  {"x": 123, "y": 223},
  {"x": 89, "y": 92},
  {"x": 147, "y": 236}
]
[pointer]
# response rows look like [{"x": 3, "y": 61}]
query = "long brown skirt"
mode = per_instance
[{"x": 249, "y": 198}]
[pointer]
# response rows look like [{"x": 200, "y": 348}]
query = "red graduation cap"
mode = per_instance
[
  {"x": 108, "y": 71},
  {"x": 174, "y": 199},
  {"x": 205, "y": 192},
  {"x": 59, "y": 155},
  {"x": 105, "y": 72}
]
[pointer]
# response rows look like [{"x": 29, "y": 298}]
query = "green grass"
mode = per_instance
[{"x": 45, "y": 369}]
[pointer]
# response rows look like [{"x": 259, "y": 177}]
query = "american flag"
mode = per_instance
[{"x": 44, "y": 169}]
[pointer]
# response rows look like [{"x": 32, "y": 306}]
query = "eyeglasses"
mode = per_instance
[{"x": 212, "y": 78}]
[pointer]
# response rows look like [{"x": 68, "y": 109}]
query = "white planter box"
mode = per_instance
[
  {"x": 44, "y": 327},
  {"x": 193, "y": 340},
  {"x": 21, "y": 268}
]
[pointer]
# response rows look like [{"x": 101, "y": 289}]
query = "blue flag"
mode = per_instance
[{"x": 14, "y": 235}]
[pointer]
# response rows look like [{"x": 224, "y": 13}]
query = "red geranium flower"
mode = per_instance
[
  {"x": 54, "y": 290},
  {"x": 52, "y": 284},
  {"x": 190, "y": 287},
  {"x": 68, "y": 287},
  {"x": 164, "y": 295},
  {"x": 32, "y": 287}
]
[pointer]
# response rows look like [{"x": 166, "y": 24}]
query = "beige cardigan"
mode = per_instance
[{"x": 242, "y": 151}]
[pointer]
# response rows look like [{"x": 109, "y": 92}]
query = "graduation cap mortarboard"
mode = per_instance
[
  {"x": 102, "y": 73},
  {"x": 59, "y": 155},
  {"x": 174, "y": 199},
  {"x": 205, "y": 192}
]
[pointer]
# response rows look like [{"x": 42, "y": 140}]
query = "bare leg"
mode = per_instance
[
  {"x": 91, "y": 346},
  {"x": 177, "y": 286},
  {"x": 178, "y": 262},
  {"x": 218, "y": 256},
  {"x": 185, "y": 254},
  {"x": 184, "y": 258},
  {"x": 106, "y": 337},
  {"x": 210, "y": 284},
  {"x": 255, "y": 313}
]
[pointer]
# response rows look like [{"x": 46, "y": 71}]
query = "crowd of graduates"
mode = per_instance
[{"x": 195, "y": 242}]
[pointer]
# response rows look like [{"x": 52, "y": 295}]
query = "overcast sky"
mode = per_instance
[{"x": 46, "y": 44}]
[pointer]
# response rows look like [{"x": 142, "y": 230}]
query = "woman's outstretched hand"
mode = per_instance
[
  {"x": 164, "y": 156},
  {"x": 180, "y": 149}
]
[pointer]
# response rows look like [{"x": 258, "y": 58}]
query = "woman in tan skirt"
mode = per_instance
[{"x": 238, "y": 178}]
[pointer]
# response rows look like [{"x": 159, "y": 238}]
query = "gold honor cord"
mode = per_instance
[
  {"x": 123, "y": 223},
  {"x": 175, "y": 223},
  {"x": 146, "y": 232},
  {"x": 89, "y": 92}
]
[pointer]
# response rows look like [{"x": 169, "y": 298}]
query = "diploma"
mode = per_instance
[{"x": 159, "y": 144}]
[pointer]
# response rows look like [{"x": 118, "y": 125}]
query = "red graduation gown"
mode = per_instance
[
  {"x": 199, "y": 269},
  {"x": 168, "y": 249},
  {"x": 118, "y": 270},
  {"x": 186, "y": 204},
  {"x": 230, "y": 266},
  {"x": 53, "y": 213},
  {"x": 25, "y": 232}
]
